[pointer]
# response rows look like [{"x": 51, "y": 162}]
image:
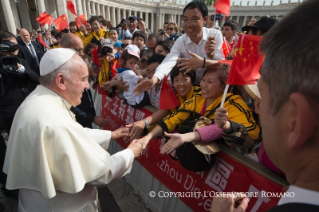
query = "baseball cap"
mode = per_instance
[
  {"x": 264, "y": 23},
  {"x": 132, "y": 17},
  {"x": 55, "y": 58},
  {"x": 107, "y": 42},
  {"x": 133, "y": 50}
]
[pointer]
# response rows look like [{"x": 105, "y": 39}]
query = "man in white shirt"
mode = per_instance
[
  {"x": 289, "y": 109},
  {"x": 131, "y": 27},
  {"x": 189, "y": 46},
  {"x": 51, "y": 158}
]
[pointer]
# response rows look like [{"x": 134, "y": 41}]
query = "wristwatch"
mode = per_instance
[{"x": 147, "y": 124}]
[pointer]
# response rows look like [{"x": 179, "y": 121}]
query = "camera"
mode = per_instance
[
  {"x": 218, "y": 17},
  {"x": 8, "y": 46},
  {"x": 8, "y": 63},
  {"x": 162, "y": 32}
]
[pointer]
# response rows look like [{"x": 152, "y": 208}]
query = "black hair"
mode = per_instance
[
  {"x": 176, "y": 70},
  {"x": 73, "y": 23},
  {"x": 155, "y": 58},
  {"x": 232, "y": 24},
  {"x": 57, "y": 35},
  {"x": 139, "y": 34},
  {"x": 89, "y": 47},
  {"x": 165, "y": 22},
  {"x": 155, "y": 35},
  {"x": 166, "y": 45},
  {"x": 66, "y": 30},
  {"x": 103, "y": 22},
  {"x": 101, "y": 16},
  {"x": 125, "y": 56},
  {"x": 116, "y": 29},
  {"x": 6, "y": 34},
  {"x": 197, "y": 4},
  {"x": 146, "y": 52},
  {"x": 94, "y": 18}
]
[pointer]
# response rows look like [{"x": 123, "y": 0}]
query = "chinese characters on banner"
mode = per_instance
[{"x": 226, "y": 175}]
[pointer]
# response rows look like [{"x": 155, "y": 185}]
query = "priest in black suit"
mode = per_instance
[
  {"x": 289, "y": 109},
  {"x": 31, "y": 52}
]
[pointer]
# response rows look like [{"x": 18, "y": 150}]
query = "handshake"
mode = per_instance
[{"x": 136, "y": 147}]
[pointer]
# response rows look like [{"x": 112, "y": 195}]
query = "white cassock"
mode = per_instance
[{"x": 53, "y": 160}]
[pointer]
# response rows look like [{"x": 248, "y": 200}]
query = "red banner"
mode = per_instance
[{"x": 227, "y": 174}]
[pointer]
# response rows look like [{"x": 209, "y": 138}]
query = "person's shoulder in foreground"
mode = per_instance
[{"x": 289, "y": 109}]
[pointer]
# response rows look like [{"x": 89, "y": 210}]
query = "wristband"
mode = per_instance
[
  {"x": 204, "y": 62},
  {"x": 147, "y": 124}
]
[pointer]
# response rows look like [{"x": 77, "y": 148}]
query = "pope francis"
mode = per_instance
[{"x": 52, "y": 159}]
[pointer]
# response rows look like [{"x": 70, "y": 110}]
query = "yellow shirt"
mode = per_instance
[
  {"x": 236, "y": 107},
  {"x": 95, "y": 37}
]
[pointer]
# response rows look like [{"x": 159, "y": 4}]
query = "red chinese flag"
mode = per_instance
[
  {"x": 44, "y": 18},
  {"x": 70, "y": 7},
  {"x": 229, "y": 62},
  {"x": 222, "y": 6},
  {"x": 43, "y": 14},
  {"x": 41, "y": 41},
  {"x": 247, "y": 61},
  {"x": 167, "y": 98},
  {"x": 61, "y": 22},
  {"x": 80, "y": 20},
  {"x": 226, "y": 47}
]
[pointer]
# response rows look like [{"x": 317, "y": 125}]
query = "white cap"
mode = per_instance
[
  {"x": 54, "y": 59},
  {"x": 133, "y": 50}
]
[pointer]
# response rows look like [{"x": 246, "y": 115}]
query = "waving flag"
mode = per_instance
[
  {"x": 80, "y": 20},
  {"x": 226, "y": 47},
  {"x": 222, "y": 6},
  {"x": 70, "y": 7},
  {"x": 44, "y": 18},
  {"x": 61, "y": 22},
  {"x": 167, "y": 98},
  {"x": 247, "y": 61}
]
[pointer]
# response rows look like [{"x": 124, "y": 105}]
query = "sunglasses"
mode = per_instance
[
  {"x": 123, "y": 45},
  {"x": 170, "y": 29},
  {"x": 106, "y": 50},
  {"x": 143, "y": 61}
]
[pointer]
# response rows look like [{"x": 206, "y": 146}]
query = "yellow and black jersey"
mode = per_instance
[
  {"x": 193, "y": 92},
  {"x": 95, "y": 37},
  {"x": 236, "y": 107}
]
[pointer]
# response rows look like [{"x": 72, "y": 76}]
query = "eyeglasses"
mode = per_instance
[
  {"x": 192, "y": 21},
  {"x": 143, "y": 61},
  {"x": 123, "y": 45},
  {"x": 170, "y": 29}
]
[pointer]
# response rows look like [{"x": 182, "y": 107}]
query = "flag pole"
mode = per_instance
[
  {"x": 224, "y": 95},
  {"x": 226, "y": 45}
]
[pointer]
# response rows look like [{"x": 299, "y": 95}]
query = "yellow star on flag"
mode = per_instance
[{"x": 241, "y": 49}]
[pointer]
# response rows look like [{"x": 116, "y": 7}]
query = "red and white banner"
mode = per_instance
[{"x": 227, "y": 175}]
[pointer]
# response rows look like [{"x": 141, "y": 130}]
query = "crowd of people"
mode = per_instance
[{"x": 51, "y": 103}]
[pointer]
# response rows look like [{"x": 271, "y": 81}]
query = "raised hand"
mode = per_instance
[
  {"x": 120, "y": 133},
  {"x": 210, "y": 46},
  {"x": 136, "y": 129},
  {"x": 192, "y": 63}
]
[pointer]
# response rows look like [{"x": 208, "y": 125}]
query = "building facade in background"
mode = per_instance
[{"x": 23, "y": 13}]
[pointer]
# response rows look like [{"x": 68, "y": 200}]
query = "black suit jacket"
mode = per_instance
[
  {"x": 85, "y": 112},
  {"x": 294, "y": 207},
  {"x": 15, "y": 89},
  {"x": 25, "y": 54}
]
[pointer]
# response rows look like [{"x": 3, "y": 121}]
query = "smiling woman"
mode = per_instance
[{"x": 205, "y": 105}]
